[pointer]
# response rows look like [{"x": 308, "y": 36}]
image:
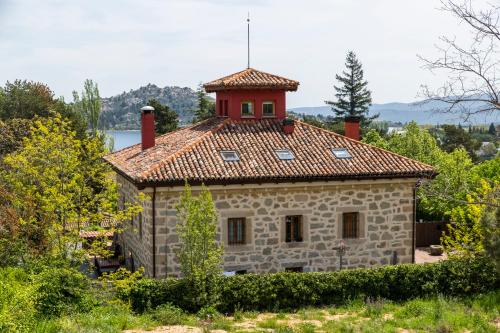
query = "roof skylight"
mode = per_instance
[
  {"x": 229, "y": 155},
  {"x": 284, "y": 154},
  {"x": 341, "y": 153}
]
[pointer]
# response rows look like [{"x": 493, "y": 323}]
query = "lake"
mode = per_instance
[{"x": 124, "y": 139}]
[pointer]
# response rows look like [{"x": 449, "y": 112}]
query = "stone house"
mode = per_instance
[{"x": 288, "y": 194}]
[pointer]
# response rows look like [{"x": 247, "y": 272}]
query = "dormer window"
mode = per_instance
[
  {"x": 247, "y": 109},
  {"x": 268, "y": 109},
  {"x": 341, "y": 153},
  {"x": 229, "y": 155},
  {"x": 284, "y": 154}
]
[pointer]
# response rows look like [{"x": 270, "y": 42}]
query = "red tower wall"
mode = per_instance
[{"x": 234, "y": 99}]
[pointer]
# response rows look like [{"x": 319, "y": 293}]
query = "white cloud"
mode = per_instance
[{"x": 125, "y": 44}]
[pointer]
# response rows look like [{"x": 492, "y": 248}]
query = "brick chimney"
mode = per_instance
[
  {"x": 147, "y": 127},
  {"x": 352, "y": 127}
]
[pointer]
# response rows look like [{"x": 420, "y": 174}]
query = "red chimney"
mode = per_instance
[
  {"x": 352, "y": 127},
  {"x": 288, "y": 125},
  {"x": 147, "y": 127}
]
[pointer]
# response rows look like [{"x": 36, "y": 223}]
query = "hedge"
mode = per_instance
[{"x": 281, "y": 291}]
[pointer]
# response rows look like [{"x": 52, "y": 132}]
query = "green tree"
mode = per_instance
[
  {"x": 456, "y": 137},
  {"x": 199, "y": 254},
  {"x": 206, "y": 108},
  {"x": 89, "y": 105},
  {"x": 166, "y": 120},
  {"x": 59, "y": 185},
  {"x": 492, "y": 129},
  {"x": 353, "y": 96},
  {"x": 25, "y": 99}
]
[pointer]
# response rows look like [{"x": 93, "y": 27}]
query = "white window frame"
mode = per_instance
[{"x": 274, "y": 109}]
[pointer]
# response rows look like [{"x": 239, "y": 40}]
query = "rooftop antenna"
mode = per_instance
[{"x": 248, "y": 39}]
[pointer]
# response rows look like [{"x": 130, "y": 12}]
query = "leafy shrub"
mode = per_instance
[
  {"x": 62, "y": 290},
  {"x": 208, "y": 313},
  {"x": 168, "y": 314},
  {"x": 296, "y": 290},
  {"x": 17, "y": 312}
]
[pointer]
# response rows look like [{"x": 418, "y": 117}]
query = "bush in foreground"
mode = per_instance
[{"x": 282, "y": 291}]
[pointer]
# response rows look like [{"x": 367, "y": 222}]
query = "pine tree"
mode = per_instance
[
  {"x": 353, "y": 96},
  {"x": 206, "y": 109},
  {"x": 166, "y": 120},
  {"x": 492, "y": 130}
]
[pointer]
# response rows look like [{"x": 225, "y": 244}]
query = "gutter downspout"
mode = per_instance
[
  {"x": 414, "y": 221},
  {"x": 154, "y": 231}
]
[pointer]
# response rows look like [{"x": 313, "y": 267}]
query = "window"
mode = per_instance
[
  {"x": 284, "y": 154},
  {"x": 293, "y": 228},
  {"x": 226, "y": 108},
  {"x": 297, "y": 269},
  {"x": 350, "y": 225},
  {"x": 341, "y": 153},
  {"x": 236, "y": 231},
  {"x": 268, "y": 109},
  {"x": 221, "y": 110},
  {"x": 247, "y": 109},
  {"x": 229, "y": 155},
  {"x": 241, "y": 272}
]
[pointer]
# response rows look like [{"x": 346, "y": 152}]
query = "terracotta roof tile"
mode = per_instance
[
  {"x": 193, "y": 154},
  {"x": 251, "y": 79}
]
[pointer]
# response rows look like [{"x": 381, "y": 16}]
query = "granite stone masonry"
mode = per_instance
[{"x": 385, "y": 209}]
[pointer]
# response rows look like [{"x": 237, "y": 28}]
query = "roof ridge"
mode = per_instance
[
  {"x": 365, "y": 144},
  {"x": 186, "y": 148}
]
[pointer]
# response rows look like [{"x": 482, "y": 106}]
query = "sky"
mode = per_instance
[{"x": 126, "y": 44}]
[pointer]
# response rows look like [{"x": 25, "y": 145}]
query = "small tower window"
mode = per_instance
[
  {"x": 268, "y": 109},
  {"x": 247, "y": 109}
]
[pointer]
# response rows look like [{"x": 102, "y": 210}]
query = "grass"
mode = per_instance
[{"x": 480, "y": 313}]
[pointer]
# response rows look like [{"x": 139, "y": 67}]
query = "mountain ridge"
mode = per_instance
[{"x": 121, "y": 112}]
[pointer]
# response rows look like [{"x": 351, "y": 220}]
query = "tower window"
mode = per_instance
[
  {"x": 247, "y": 109},
  {"x": 268, "y": 109}
]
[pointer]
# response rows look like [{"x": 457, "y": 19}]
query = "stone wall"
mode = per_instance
[
  {"x": 137, "y": 245},
  {"x": 385, "y": 209}
]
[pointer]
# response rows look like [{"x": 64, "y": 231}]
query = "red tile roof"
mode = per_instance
[
  {"x": 193, "y": 153},
  {"x": 251, "y": 79}
]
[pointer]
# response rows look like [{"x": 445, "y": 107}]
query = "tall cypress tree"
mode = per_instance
[{"x": 353, "y": 96}]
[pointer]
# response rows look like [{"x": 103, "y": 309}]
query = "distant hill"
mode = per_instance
[
  {"x": 405, "y": 112},
  {"x": 122, "y": 111}
]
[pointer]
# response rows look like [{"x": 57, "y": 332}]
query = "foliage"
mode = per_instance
[
  {"x": 62, "y": 290},
  {"x": 206, "y": 108},
  {"x": 59, "y": 184},
  {"x": 17, "y": 311},
  {"x": 199, "y": 255},
  {"x": 21, "y": 102},
  {"x": 456, "y": 137},
  {"x": 25, "y": 99},
  {"x": 295, "y": 290},
  {"x": 12, "y": 132},
  {"x": 89, "y": 105},
  {"x": 166, "y": 119},
  {"x": 168, "y": 314},
  {"x": 353, "y": 96},
  {"x": 121, "y": 280}
]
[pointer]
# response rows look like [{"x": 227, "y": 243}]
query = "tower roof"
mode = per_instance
[{"x": 251, "y": 79}]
